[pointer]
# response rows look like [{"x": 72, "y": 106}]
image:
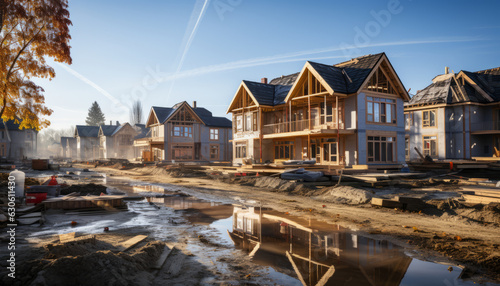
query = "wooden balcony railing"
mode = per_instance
[{"x": 299, "y": 125}]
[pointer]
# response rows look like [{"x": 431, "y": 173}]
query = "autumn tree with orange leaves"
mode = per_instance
[{"x": 30, "y": 32}]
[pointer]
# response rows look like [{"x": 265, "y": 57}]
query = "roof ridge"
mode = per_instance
[
  {"x": 486, "y": 70},
  {"x": 355, "y": 60}
]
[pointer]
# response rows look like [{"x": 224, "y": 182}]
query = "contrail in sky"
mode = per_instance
[
  {"x": 194, "y": 21},
  {"x": 298, "y": 56},
  {"x": 92, "y": 84}
]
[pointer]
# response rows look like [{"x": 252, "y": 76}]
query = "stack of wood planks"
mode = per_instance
[{"x": 480, "y": 194}]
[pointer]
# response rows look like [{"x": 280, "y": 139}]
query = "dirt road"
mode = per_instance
[{"x": 446, "y": 237}]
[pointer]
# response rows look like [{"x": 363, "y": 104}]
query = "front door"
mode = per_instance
[{"x": 330, "y": 152}]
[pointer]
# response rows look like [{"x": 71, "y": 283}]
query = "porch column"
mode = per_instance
[
  {"x": 309, "y": 110},
  {"x": 338, "y": 127}
]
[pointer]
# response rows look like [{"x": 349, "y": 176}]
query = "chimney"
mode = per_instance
[
  {"x": 194, "y": 104},
  {"x": 117, "y": 123},
  {"x": 263, "y": 80},
  {"x": 446, "y": 70},
  {"x": 111, "y": 122}
]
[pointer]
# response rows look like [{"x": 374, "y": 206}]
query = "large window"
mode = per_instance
[
  {"x": 214, "y": 134},
  {"x": 408, "y": 120},
  {"x": 183, "y": 131},
  {"x": 429, "y": 118},
  {"x": 239, "y": 122},
  {"x": 380, "y": 110},
  {"x": 182, "y": 152},
  {"x": 283, "y": 150},
  {"x": 240, "y": 150},
  {"x": 430, "y": 146},
  {"x": 381, "y": 149},
  {"x": 214, "y": 152},
  {"x": 248, "y": 122}
]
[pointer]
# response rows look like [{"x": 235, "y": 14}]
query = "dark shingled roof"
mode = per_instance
[
  {"x": 285, "y": 79},
  {"x": 358, "y": 70},
  {"x": 142, "y": 131},
  {"x": 11, "y": 125},
  {"x": 209, "y": 120},
  {"x": 109, "y": 130},
  {"x": 332, "y": 75},
  {"x": 164, "y": 113},
  {"x": 346, "y": 77},
  {"x": 440, "y": 91},
  {"x": 87, "y": 131}
]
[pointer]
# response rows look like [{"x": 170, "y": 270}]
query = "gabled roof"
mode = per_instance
[
  {"x": 11, "y": 125},
  {"x": 163, "y": 114},
  {"x": 343, "y": 78},
  {"x": 108, "y": 130},
  {"x": 87, "y": 131},
  {"x": 212, "y": 121},
  {"x": 359, "y": 69},
  {"x": 143, "y": 132},
  {"x": 480, "y": 87}
]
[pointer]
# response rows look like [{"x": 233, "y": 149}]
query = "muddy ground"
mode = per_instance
[
  {"x": 467, "y": 234},
  {"x": 443, "y": 229}
]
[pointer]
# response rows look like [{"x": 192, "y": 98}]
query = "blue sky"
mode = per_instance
[{"x": 164, "y": 52}]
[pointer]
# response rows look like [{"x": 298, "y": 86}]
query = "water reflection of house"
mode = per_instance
[{"x": 319, "y": 254}]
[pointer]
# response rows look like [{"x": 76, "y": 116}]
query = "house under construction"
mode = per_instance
[{"x": 345, "y": 114}]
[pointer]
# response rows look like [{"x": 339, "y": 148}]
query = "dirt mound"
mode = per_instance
[
  {"x": 86, "y": 189},
  {"x": 345, "y": 195},
  {"x": 55, "y": 251},
  {"x": 102, "y": 267}
]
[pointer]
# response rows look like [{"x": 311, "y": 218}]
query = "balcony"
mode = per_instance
[{"x": 291, "y": 128}]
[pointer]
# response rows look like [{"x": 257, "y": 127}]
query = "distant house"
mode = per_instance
[
  {"x": 455, "y": 117},
  {"x": 141, "y": 142},
  {"x": 16, "y": 144},
  {"x": 116, "y": 141},
  {"x": 187, "y": 133},
  {"x": 87, "y": 142},
  {"x": 344, "y": 114},
  {"x": 68, "y": 147}
]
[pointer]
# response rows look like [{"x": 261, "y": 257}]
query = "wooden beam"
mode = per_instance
[{"x": 297, "y": 271}]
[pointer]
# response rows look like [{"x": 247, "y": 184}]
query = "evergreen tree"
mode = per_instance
[{"x": 95, "y": 116}]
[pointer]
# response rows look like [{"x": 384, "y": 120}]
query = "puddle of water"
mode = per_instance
[{"x": 311, "y": 250}]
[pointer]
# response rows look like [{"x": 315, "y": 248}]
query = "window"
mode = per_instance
[
  {"x": 248, "y": 122},
  {"x": 254, "y": 121},
  {"x": 429, "y": 118},
  {"x": 125, "y": 140},
  {"x": 214, "y": 134},
  {"x": 240, "y": 150},
  {"x": 239, "y": 122},
  {"x": 381, "y": 149},
  {"x": 3, "y": 134},
  {"x": 430, "y": 146},
  {"x": 380, "y": 110},
  {"x": 28, "y": 135},
  {"x": 283, "y": 150},
  {"x": 182, "y": 152},
  {"x": 214, "y": 152},
  {"x": 183, "y": 131},
  {"x": 408, "y": 120}
]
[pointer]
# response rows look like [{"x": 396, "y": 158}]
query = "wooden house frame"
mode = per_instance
[
  {"x": 320, "y": 113},
  {"x": 186, "y": 133}
]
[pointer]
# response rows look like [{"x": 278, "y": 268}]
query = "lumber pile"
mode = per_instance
[{"x": 480, "y": 194}]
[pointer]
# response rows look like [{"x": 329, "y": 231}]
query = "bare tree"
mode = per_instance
[{"x": 136, "y": 113}]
